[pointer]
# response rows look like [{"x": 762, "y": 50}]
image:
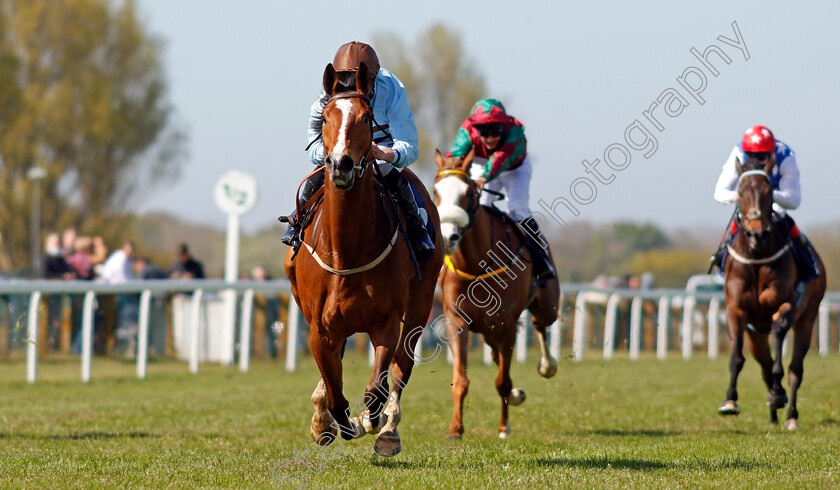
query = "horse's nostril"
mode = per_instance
[
  {"x": 454, "y": 237},
  {"x": 346, "y": 162}
]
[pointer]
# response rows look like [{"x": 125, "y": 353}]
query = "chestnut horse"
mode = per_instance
[
  {"x": 354, "y": 274},
  {"x": 762, "y": 297},
  {"x": 475, "y": 237}
]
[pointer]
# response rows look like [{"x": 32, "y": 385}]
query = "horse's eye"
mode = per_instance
[{"x": 366, "y": 118}]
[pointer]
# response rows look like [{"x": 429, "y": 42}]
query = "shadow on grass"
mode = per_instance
[
  {"x": 81, "y": 436},
  {"x": 649, "y": 465},
  {"x": 656, "y": 433}
]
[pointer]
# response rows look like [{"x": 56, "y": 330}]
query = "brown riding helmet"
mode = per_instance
[{"x": 350, "y": 55}]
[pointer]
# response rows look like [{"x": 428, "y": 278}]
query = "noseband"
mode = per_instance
[{"x": 472, "y": 209}]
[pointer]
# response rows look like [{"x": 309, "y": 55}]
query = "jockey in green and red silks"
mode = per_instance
[
  {"x": 501, "y": 162},
  {"x": 511, "y": 151}
]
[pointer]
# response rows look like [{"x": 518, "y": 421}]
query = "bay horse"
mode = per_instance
[
  {"x": 354, "y": 274},
  {"x": 760, "y": 281},
  {"x": 476, "y": 236}
]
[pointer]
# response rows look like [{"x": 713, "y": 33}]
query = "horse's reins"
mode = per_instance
[{"x": 739, "y": 217}]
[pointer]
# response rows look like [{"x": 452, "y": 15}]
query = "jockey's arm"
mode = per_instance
[
  {"x": 403, "y": 130},
  {"x": 726, "y": 189},
  {"x": 316, "y": 150},
  {"x": 788, "y": 195}
]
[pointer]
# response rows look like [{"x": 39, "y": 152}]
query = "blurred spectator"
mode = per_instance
[
  {"x": 634, "y": 283},
  {"x": 53, "y": 266},
  {"x": 186, "y": 267},
  {"x": 99, "y": 255},
  {"x": 143, "y": 269},
  {"x": 79, "y": 261},
  {"x": 122, "y": 319},
  {"x": 118, "y": 268},
  {"x": 68, "y": 242}
]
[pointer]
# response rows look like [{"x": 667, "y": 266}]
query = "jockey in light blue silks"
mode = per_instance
[{"x": 394, "y": 145}]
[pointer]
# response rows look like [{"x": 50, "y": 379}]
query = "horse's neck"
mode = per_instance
[
  {"x": 478, "y": 240},
  {"x": 351, "y": 217}
]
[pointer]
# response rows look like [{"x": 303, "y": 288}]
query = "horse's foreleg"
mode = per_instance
[
  {"x": 735, "y": 324},
  {"x": 328, "y": 357},
  {"x": 460, "y": 381},
  {"x": 322, "y": 427},
  {"x": 547, "y": 366},
  {"x": 801, "y": 343},
  {"x": 504, "y": 385},
  {"x": 782, "y": 321}
]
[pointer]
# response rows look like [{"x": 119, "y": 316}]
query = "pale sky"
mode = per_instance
[{"x": 243, "y": 75}]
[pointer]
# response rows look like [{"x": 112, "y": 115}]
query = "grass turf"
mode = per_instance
[{"x": 595, "y": 424}]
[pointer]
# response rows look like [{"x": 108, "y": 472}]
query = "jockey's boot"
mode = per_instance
[
  {"x": 806, "y": 264},
  {"x": 717, "y": 259},
  {"x": 543, "y": 268},
  {"x": 421, "y": 241},
  {"x": 310, "y": 186}
]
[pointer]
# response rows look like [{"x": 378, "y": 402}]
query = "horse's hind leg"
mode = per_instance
[
  {"x": 460, "y": 381},
  {"x": 544, "y": 311},
  {"x": 376, "y": 393},
  {"x": 760, "y": 347}
]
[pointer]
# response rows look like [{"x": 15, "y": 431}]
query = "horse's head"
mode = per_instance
[
  {"x": 347, "y": 125},
  {"x": 755, "y": 200},
  {"x": 456, "y": 197}
]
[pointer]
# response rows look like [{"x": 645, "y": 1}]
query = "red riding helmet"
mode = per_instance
[{"x": 758, "y": 139}]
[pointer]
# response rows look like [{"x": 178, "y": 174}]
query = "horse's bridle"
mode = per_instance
[
  {"x": 473, "y": 193},
  {"x": 366, "y": 160},
  {"x": 739, "y": 217}
]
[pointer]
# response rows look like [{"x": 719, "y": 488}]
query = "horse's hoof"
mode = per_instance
[
  {"x": 505, "y": 432},
  {"x": 776, "y": 402},
  {"x": 729, "y": 407},
  {"x": 322, "y": 433},
  {"x": 388, "y": 444},
  {"x": 791, "y": 424},
  {"x": 452, "y": 437},
  {"x": 517, "y": 396},
  {"x": 548, "y": 369}
]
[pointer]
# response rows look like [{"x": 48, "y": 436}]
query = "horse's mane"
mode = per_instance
[{"x": 346, "y": 83}]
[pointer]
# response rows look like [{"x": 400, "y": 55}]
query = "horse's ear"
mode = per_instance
[
  {"x": 330, "y": 80},
  {"x": 363, "y": 79},
  {"x": 738, "y": 165},
  {"x": 439, "y": 159},
  {"x": 770, "y": 163},
  {"x": 468, "y": 160}
]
